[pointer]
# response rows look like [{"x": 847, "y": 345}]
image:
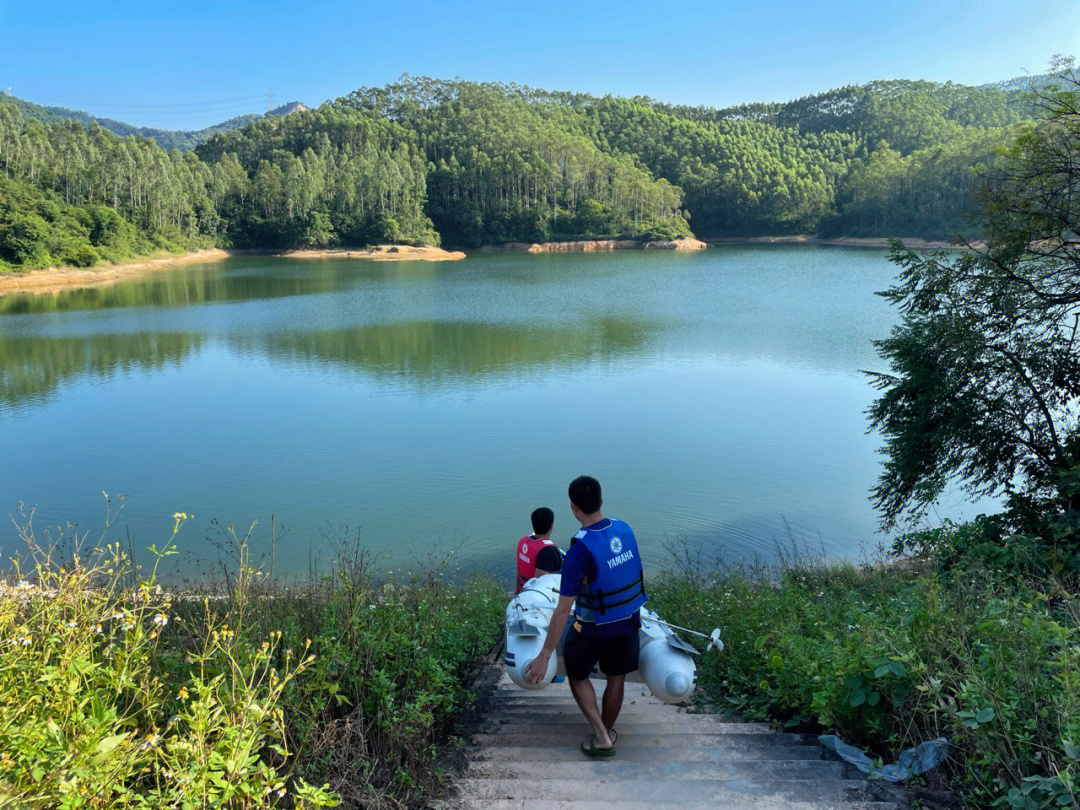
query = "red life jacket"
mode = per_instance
[{"x": 527, "y": 551}]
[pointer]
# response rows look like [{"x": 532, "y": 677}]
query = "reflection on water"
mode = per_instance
[
  {"x": 420, "y": 353},
  {"x": 715, "y": 395},
  {"x": 34, "y": 367},
  {"x": 241, "y": 279}
]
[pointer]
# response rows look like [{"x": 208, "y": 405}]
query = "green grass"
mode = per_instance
[
  {"x": 888, "y": 657},
  {"x": 116, "y": 693}
]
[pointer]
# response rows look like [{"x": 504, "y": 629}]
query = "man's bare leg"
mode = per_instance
[
  {"x": 585, "y": 696},
  {"x": 613, "y": 700}
]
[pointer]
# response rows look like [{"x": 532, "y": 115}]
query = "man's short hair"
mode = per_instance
[
  {"x": 585, "y": 494},
  {"x": 542, "y": 520}
]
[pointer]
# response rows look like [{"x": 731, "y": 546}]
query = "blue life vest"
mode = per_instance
[{"x": 618, "y": 591}]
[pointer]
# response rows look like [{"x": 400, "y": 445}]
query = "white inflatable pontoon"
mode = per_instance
[{"x": 666, "y": 661}]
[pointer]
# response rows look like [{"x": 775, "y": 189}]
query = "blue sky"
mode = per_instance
[{"x": 188, "y": 63}]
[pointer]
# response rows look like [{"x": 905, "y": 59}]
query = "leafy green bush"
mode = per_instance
[
  {"x": 22, "y": 239},
  {"x": 1030, "y": 541},
  {"x": 112, "y": 233},
  {"x": 890, "y": 657},
  {"x": 317, "y": 231},
  {"x": 79, "y": 254}
]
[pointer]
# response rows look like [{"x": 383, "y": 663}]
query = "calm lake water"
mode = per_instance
[{"x": 716, "y": 395}]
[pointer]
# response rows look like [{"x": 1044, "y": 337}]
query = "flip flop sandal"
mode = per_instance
[
  {"x": 589, "y": 749},
  {"x": 613, "y": 734}
]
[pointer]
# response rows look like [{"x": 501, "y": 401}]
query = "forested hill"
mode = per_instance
[
  {"x": 909, "y": 115},
  {"x": 886, "y": 158},
  {"x": 1038, "y": 81},
  {"x": 469, "y": 163}
]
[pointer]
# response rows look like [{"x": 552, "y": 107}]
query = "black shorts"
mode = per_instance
[{"x": 617, "y": 655}]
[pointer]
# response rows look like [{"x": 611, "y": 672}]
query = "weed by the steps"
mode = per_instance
[
  {"x": 116, "y": 693},
  {"x": 888, "y": 657}
]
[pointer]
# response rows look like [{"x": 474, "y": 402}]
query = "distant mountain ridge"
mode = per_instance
[
  {"x": 1036, "y": 82},
  {"x": 183, "y": 139},
  {"x": 830, "y": 105}
]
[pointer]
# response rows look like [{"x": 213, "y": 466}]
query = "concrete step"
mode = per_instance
[
  {"x": 547, "y": 737},
  {"x": 666, "y": 772},
  {"x": 633, "y": 691},
  {"x": 752, "y": 804},
  {"x": 526, "y": 756},
  {"x": 551, "y": 717},
  {"x": 523, "y": 706},
  {"x": 721, "y": 752},
  {"x": 508, "y": 687},
  {"x": 561, "y": 694},
  {"x": 518, "y": 704},
  {"x": 628, "y": 727},
  {"x": 615, "y": 791}
]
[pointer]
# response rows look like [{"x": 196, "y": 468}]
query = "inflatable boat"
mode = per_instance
[{"x": 666, "y": 661}]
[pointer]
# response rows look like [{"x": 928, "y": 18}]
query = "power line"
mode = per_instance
[{"x": 112, "y": 105}]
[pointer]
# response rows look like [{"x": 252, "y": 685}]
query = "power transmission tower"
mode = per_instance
[{"x": 269, "y": 100}]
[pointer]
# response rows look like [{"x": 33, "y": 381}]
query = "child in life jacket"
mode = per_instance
[{"x": 536, "y": 553}]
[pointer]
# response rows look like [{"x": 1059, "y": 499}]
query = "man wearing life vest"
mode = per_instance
[
  {"x": 536, "y": 553},
  {"x": 602, "y": 572}
]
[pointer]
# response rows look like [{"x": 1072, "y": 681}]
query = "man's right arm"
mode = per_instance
[
  {"x": 537, "y": 668},
  {"x": 569, "y": 586}
]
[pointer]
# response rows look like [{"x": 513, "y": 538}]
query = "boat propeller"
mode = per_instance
[{"x": 713, "y": 638}]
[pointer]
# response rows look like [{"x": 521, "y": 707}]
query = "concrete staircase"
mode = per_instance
[{"x": 526, "y": 756}]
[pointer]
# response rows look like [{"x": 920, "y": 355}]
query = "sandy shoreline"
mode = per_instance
[
  {"x": 375, "y": 253},
  {"x": 912, "y": 242},
  {"x": 55, "y": 279}
]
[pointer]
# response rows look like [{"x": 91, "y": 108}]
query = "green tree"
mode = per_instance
[{"x": 985, "y": 380}]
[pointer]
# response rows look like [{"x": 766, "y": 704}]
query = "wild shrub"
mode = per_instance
[
  {"x": 888, "y": 657},
  {"x": 117, "y": 692},
  {"x": 1033, "y": 541}
]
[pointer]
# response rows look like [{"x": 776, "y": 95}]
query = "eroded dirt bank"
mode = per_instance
[
  {"x": 54, "y": 279},
  {"x": 591, "y": 245},
  {"x": 384, "y": 253}
]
